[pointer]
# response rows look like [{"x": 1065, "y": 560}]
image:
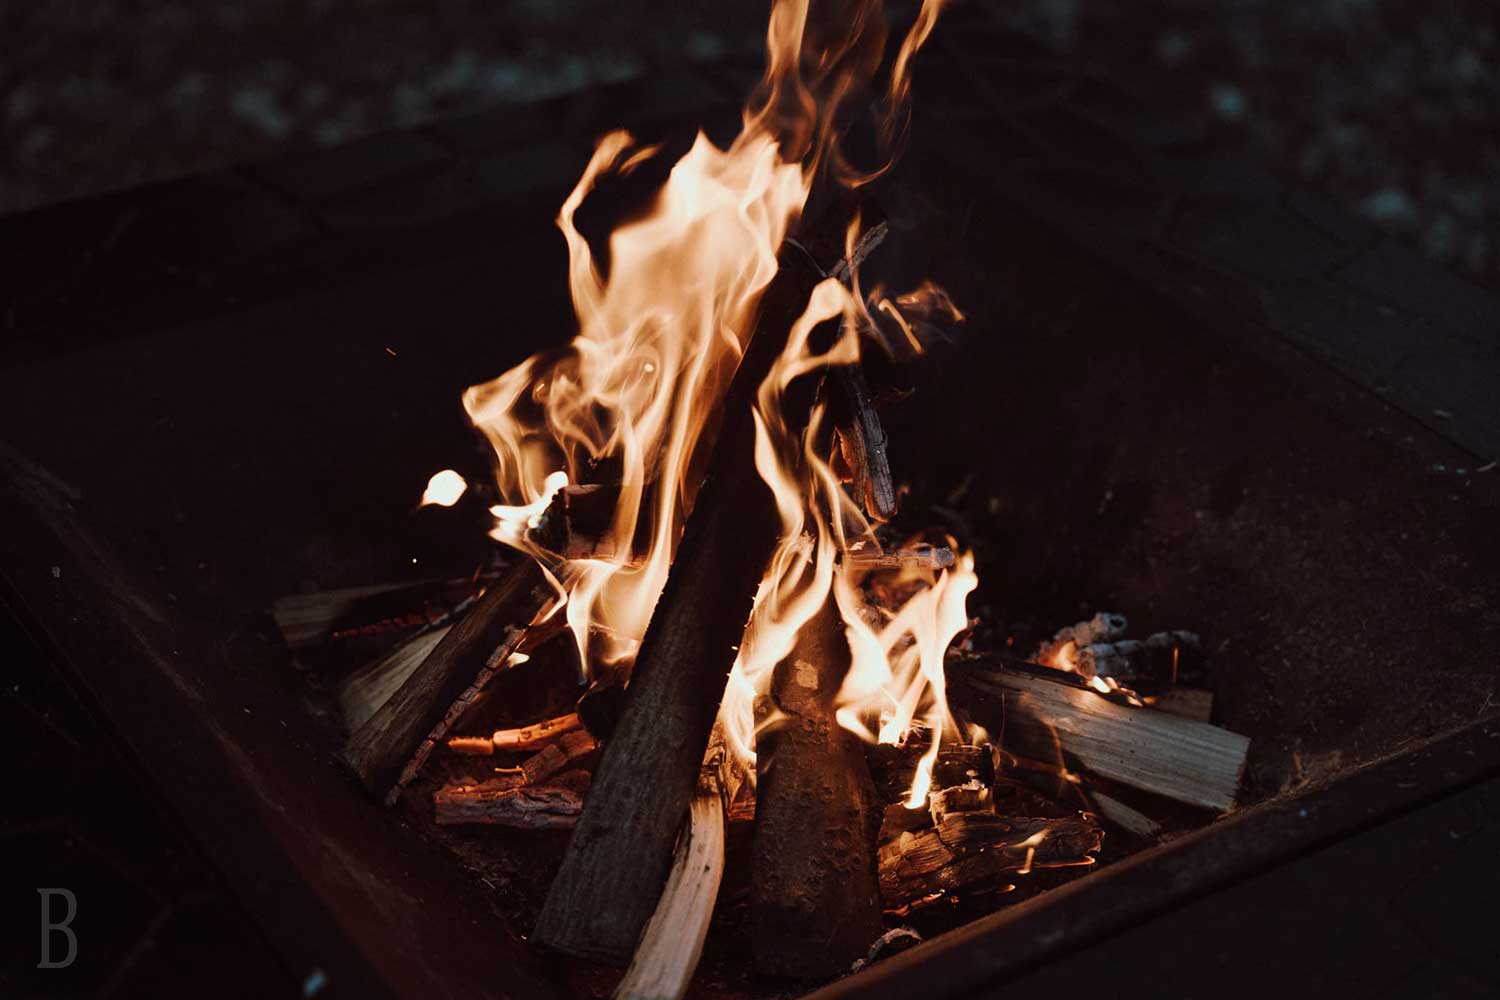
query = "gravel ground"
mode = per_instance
[{"x": 1390, "y": 108}]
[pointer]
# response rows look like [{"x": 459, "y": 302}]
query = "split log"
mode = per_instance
[
  {"x": 502, "y": 803},
  {"x": 815, "y": 903},
  {"x": 862, "y": 445},
  {"x": 418, "y": 715},
  {"x": 973, "y": 847},
  {"x": 621, "y": 851},
  {"x": 365, "y": 690},
  {"x": 1154, "y": 751},
  {"x": 672, "y": 942}
]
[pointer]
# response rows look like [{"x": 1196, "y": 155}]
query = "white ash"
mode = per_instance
[
  {"x": 1123, "y": 659},
  {"x": 1103, "y": 627}
]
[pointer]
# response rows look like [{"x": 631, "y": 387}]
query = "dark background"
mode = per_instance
[{"x": 1392, "y": 108}]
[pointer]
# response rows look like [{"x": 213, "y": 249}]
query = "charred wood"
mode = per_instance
[
  {"x": 968, "y": 848},
  {"x": 501, "y": 803},
  {"x": 862, "y": 445}
]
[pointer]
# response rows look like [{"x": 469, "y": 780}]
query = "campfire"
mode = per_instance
[{"x": 712, "y": 611}]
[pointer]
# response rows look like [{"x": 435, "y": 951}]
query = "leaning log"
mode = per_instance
[
  {"x": 895, "y": 767},
  {"x": 621, "y": 851},
  {"x": 815, "y": 903},
  {"x": 1158, "y": 752},
  {"x": 417, "y": 715}
]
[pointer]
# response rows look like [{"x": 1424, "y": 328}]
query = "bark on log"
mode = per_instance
[
  {"x": 971, "y": 847},
  {"x": 618, "y": 859},
  {"x": 815, "y": 903},
  {"x": 1154, "y": 751},
  {"x": 526, "y": 807},
  {"x": 418, "y": 714}
]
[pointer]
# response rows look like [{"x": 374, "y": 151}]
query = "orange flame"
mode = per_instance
[{"x": 637, "y": 390}]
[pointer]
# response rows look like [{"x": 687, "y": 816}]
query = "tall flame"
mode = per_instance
[{"x": 633, "y": 399}]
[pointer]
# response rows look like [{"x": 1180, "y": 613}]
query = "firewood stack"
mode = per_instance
[{"x": 843, "y": 846}]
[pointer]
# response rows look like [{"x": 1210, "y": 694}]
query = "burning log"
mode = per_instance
[
  {"x": 618, "y": 859},
  {"x": 418, "y": 715},
  {"x": 815, "y": 904},
  {"x": 1154, "y": 751},
  {"x": 894, "y": 767},
  {"x": 967, "y": 848},
  {"x": 673, "y": 939},
  {"x": 579, "y": 523},
  {"x": 862, "y": 445},
  {"x": 502, "y": 803}
]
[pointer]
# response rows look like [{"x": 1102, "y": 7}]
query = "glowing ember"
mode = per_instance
[{"x": 444, "y": 489}]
